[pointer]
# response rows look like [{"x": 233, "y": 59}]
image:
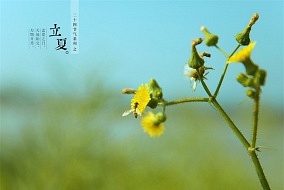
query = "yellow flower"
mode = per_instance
[
  {"x": 139, "y": 102},
  {"x": 140, "y": 99},
  {"x": 243, "y": 55},
  {"x": 152, "y": 124}
]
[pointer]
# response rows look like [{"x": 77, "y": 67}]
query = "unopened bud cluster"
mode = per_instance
[
  {"x": 147, "y": 95},
  {"x": 196, "y": 61}
]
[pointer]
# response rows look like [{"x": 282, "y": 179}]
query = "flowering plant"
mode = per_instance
[{"x": 151, "y": 94}]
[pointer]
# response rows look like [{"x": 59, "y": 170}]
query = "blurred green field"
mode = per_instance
[{"x": 65, "y": 142}]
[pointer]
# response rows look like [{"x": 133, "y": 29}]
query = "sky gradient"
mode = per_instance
[{"x": 130, "y": 42}]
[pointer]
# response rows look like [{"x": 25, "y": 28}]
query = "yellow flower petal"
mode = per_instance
[
  {"x": 140, "y": 99},
  {"x": 151, "y": 125},
  {"x": 243, "y": 54}
]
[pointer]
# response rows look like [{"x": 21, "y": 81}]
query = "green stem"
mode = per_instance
[
  {"x": 255, "y": 119},
  {"x": 225, "y": 116},
  {"x": 222, "y": 51},
  {"x": 239, "y": 45},
  {"x": 221, "y": 80},
  {"x": 259, "y": 171},
  {"x": 246, "y": 144},
  {"x": 186, "y": 100},
  {"x": 241, "y": 137},
  {"x": 203, "y": 83},
  {"x": 225, "y": 69},
  {"x": 231, "y": 124},
  {"x": 234, "y": 128}
]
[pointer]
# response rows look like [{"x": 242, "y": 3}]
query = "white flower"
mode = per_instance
[{"x": 192, "y": 74}]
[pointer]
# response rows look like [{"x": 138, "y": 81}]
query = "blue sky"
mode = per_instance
[{"x": 129, "y": 42}]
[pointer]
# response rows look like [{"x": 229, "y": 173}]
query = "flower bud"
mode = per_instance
[
  {"x": 251, "y": 68},
  {"x": 210, "y": 39},
  {"x": 244, "y": 80},
  {"x": 160, "y": 117},
  {"x": 128, "y": 91},
  {"x": 157, "y": 92},
  {"x": 153, "y": 103},
  {"x": 260, "y": 77},
  {"x": 195, "y": 61},
  {"x": 251, "y": 93},
  {"x": 243, "y": 37}
]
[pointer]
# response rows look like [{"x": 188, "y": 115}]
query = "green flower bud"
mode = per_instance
[
  {"x": 251, "y": 93},
  {"x": 157, "y": 92},
  {"x": 153, "y": 103},
  {"x": 244, "y": 80},
  {"x": 260, "y": 77},
  {"x": 243, "y": 37},
  {"x": 195, "y": 61},
  {"x": 251, "y": 68},
  {"x": 210, "y": 39},
  {"x": 160, "y": 117},
  {"x": 154, "y": 84}
]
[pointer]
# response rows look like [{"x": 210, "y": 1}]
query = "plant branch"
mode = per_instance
[
  {"x": 221, "y": 81},
  {"x": 231, "y": 124},
  {"x": 255, "y": 118},
  {"x": 222, "y": 51},
  {"x": 186, "y": 100},
  {"x": 259, "y": 170},
  {"x": 225, "y": 70},
  {"x": 241, "y": 137},
  {"x": 239, "y": 45},
  {"x": 203, "y": 83},
  {"x": 246, "y": 144}
]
